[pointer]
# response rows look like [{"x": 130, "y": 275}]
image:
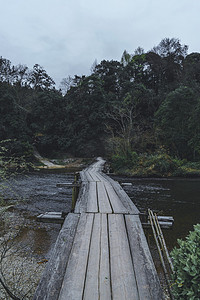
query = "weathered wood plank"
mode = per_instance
[
  {"x": 104, "y": 275},
  {"x": 81, "y": 203},
  {"x": 74, "y": 279},
  {"x": 91, "y": 290},
  {"x": 117, "y": 205},
  {"x": 146, "y": 276},
  {"x": 92, "y": 198},
  {"x": 68, "y": 185},
  {"x": 124, "y": 198},
  {"x": 88, "y": 176},
  {"x": 51, "y": 217},
  {"x": 122, "y": 273},
  {"x": 164, "y": 225},
  {"x": 51, "y": 281},
  {"x": 93, "y": 175},
  {"x": 103, "y": 201}
]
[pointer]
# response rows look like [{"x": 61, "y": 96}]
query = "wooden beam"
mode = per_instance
[
  {"x": 74, "y": 279},
  {"x": 51, "y": 281},
  {"x": 117, "y": 205},
  {"x": 103, "y": 201},
  {"x": 92, "y": 205},
  {"x": 124, "y": 198},
  {"x": 91, "y": 290},
  {"x": 104, "y": 274},
  {"x": 122, "y": 273},
  {"x": 146, "y": 276}
]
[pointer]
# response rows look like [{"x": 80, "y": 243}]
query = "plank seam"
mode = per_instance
[
  {"x": 131, "y": 257},
  {"x": 108, "y": 197},
  {"x": 109, "y": 254},
  {"x": 88, "y": 257},
  {"x": 100, "y": 256},
  {"x": 97, "y": 198}
]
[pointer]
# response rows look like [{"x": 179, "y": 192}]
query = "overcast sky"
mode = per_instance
[{"x": 66, "y": 36}]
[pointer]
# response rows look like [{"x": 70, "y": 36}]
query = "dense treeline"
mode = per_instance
[{"x": 146, "y": 101}]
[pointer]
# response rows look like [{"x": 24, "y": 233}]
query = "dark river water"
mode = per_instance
[
  {"x": 36, "y": 194},
  {"x": 179, "y": 198}
]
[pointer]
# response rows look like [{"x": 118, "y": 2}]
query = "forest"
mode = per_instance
[{"x": 143, "y": 110}]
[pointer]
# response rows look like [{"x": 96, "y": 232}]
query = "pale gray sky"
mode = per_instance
[{"x": 66, "y": 36}]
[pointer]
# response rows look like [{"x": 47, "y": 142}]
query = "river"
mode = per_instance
[
  {"x": 175, "y": 197},
  {"x": 37, "y": 193}
]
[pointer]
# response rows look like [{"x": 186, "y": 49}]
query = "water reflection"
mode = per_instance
[
  {"x": 35, "y": 194},
  {"x": 38, "y": 240},
  {"x": 179, "y": 198}
]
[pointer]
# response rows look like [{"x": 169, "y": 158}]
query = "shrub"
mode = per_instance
[
  {"x": 15, "y": 156},
  {"x": 121, "y": 161},
  {"x": 158, "y": 164},
  {"x": 186, "y": 260}
]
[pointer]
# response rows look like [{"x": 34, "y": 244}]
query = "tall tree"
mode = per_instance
[
  {"x": 40, "y": 79},
  {"x": 174, "y": 119},
  {"x": 173, "y": 54}
]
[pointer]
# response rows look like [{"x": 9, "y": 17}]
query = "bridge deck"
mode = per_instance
[{"x": 101, "y": 251}]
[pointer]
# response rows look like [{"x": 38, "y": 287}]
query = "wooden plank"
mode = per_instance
[
  {"x": 97, "y": 284},
  {"x": 92, "y": 198},
  {"x": 146, "y": 275},
  {"x": 91, "y": 290},
  {"x": 117, "y": 205},
  {"x": 88, "y": 176},
  {"x": 124, "y": 198},
  {"x": 165, "y": 218},
  {"x": 81, "y": 203},
  {"x": 74, "y": 279},
  {"x": 68, "y": 185},
  {"x": 103, "y": 201},
  {"x": 122, "y": 273},
  {"x": 52, "y": 217},
  {"x": 51, "y": 281},
  {"x": 165, "y": 225},
  {"x": 104, "y": 275},
  {"x": 93, "y": 175}
]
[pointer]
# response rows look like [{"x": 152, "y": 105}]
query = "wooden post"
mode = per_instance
[{"x": 75, "y": 191}]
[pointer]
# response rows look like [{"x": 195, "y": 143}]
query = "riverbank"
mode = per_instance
[
  {"x": 60, "y": 163},
  {"x": 149, "y": 173},
  {"x": 153, "y": 165}
]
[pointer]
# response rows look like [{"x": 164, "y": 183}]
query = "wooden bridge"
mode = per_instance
[{"x": 101, "y": 251}]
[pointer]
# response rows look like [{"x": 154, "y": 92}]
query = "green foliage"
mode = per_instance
[
  {"x": 175, "y": 119},
  {"x": 15, "y": 156},
  {"x": 12, "y": 117},
  {"x": 159, "y": 164},
  {"x": 120, "y": 162},
  {"x": 146, "y": 100},
  {"x": 186, "y": 260}
]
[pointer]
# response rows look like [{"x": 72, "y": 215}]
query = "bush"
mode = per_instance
[
  {"x": 15, "y": 148},
  {"x": 161, "y": 163},
  {"x": 120, "y": 161},
  {"x": 15, "y": 156},
  {"x": 186, "y": 260}
]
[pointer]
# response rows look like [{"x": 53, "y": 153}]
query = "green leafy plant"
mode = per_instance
[
  {"x": 121, "y": 161},
  {"x": 15, "y": 156},
  {"x": 186, "y": 261}
]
